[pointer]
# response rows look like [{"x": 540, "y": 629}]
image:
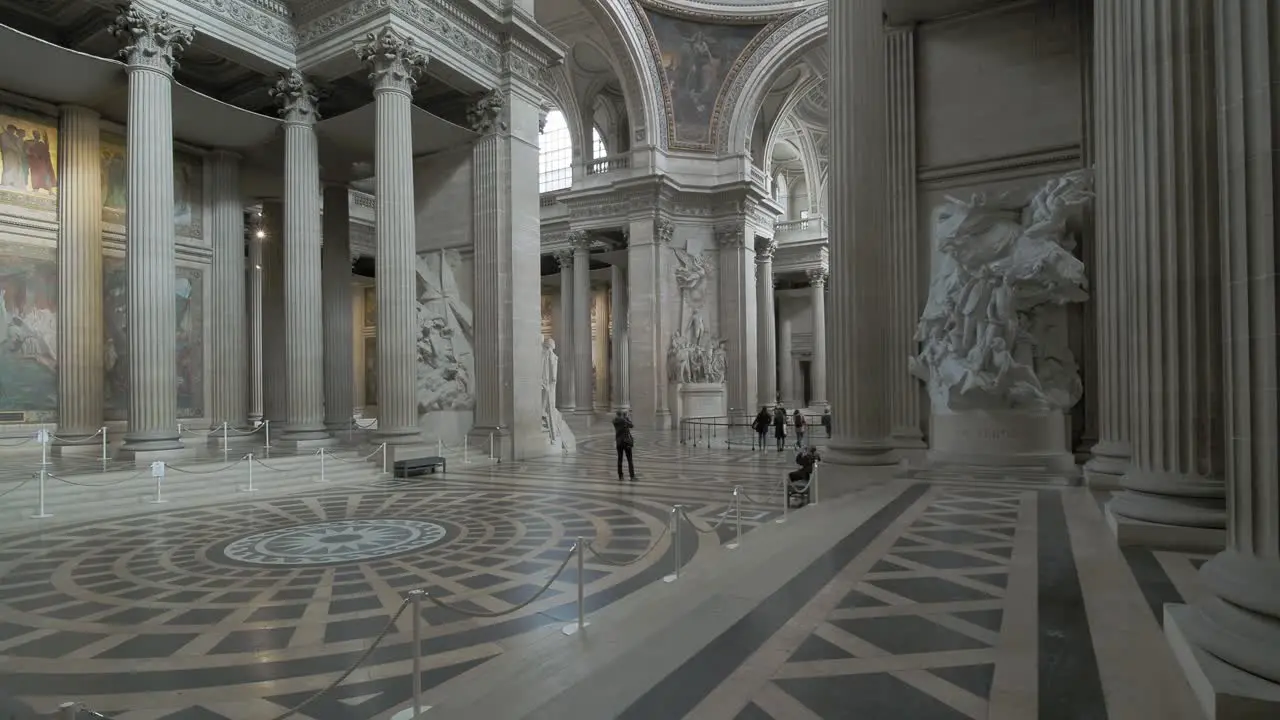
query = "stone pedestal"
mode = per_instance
[
  {"x": 701, "y": 400},
  {"x": 1000, "y": 444}
]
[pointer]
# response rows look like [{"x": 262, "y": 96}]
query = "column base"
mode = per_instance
[
  {"x": 143, "y": 458},
  {"x": 870, "y": 453},
  {"x": 397, "y": 436},
  {"x": 151, "y": 441},
  {"x": 297, "y": 433},
  {"x": 908, "y": 439},
  {"x": 1224, "y": 692},
  {"x": 1110, "y": 462},
  {"x": 236, "y": 436},
  {"x": 289, "y": 443},
  {"x": 1131, "y": 532}
]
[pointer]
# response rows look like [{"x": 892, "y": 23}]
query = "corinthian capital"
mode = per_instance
[
  {"x": 296, "y": 96},
  {"x": 485, "y": 116},
  {"x": 729, "y": 236},
  {"x": 765, "y": 248},
  {"x": 149, "y": 39},
  {"x": 817, "y": 276},
  {"x": 394, "y": 61},
  {"x": 578, "y": 240}
]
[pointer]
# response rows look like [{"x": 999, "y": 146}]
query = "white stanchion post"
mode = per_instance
[
  {"x": 466, "y": 456},
  {"x": 157, "y": 472},
  {"x": 321, "y": 454},
  {"x": 179, "y": 429},
  {"x": 69, "y": 710},
  {"x": 416, "y": 595},
  {"x": 675, "y": 544},
  {"x": 491, "y": 455},
  {"x": 43, "y": 437},
  {"x": 737, "y": 518},
  {"x": 250, "y": 488},
  {"x": 41, "y": 513},
  {"x": 439, "y": 446},
  {"x": 813, "y": 496},
  {"x": 786, "y": 501},
  {"x": 579, "y": 547},
  {"x": 266, "y": 428},
  {"x": 104, "y": 443},
  {"x": 225, "y": 430},
  {"x": 384, "y": 458}
]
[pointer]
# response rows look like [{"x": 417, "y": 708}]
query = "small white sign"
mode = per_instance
[
  {"x": 157, "y": 469},
  {"x": 42, "y": 436}
]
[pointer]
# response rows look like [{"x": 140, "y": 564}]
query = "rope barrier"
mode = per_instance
[
  {"x": 272, "y": 469},
  {"x": 521, "y": 606},
  {"x": 16, "y": 442},
  {"x": 357, "y": 461},
  {"x": 723, "y": 516},
  {"x": 81, "y": 441},
  {"x": 207, "y": 472},
  {"x": 112, "y": 483},
  {"x": 612, "y": 563},
  {"x": 17, "y": 487},
  {"x": 347, "y": 673}
]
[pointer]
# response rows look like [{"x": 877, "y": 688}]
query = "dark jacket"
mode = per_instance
[
  {"x": 780, "y": 423},
  {"x": 622, "y": 432},
  {"x": 761, "y": 423}
]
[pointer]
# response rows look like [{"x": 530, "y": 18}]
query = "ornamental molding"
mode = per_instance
[
  {"x": 746, "y": 67},
  {"x": 724, "y": 12},
  {"x": 267, "y": 20}
]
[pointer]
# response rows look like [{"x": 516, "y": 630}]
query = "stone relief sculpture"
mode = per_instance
[
  {"x": 695, "y": 355},
  {"x": 446, "y": 363},
  {"x": 553, "y": 424},
  {"x": 993, "y": 330}
]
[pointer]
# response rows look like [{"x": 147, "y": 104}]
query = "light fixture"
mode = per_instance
[{"x": 262, "y": 234}]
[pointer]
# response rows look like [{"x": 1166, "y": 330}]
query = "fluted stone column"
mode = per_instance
[
  {"x": 786, "y": 363},
  {"x": 254, "y": 301},
  {"x": 151, "y": 45},
  {"x": 767, "y": 342},
  {"x": 395, "y": 63},
  {"x": 304, "y": 327},
  {"x": 1229, "y": 643},
  {"x": 903, "y": 232},
  {"x": 584, "y": 389},
  {"x": 1111, "y": 295},
  {"x": 80, "y": 331},
  {"x": 228, "y": 331},
  {"x": 569, "y": 393},
  {"x": 818, "y": 370},
  {"x": 275, "y": 370},
  {"x": 860, "y": 334},
  {"x": 621, "y": 324},
  {"x": 648, "y": 244},
  {"x": 1174, "y": 493},
  {"x": 738, "y": 322},
  {"x": 339, "y": 356}
]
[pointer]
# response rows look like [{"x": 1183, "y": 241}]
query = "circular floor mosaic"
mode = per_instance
[{"x": 339, "y": 541}]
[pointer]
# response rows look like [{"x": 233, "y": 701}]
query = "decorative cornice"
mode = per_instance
[
  {"x": 267, "y": 19},
  {"x": 150, "y": 40}
]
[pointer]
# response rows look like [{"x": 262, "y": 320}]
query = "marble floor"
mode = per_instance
[{"x": 888, "y": 599}]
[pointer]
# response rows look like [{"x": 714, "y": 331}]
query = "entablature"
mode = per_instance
[{"x": 800, "y": 257}]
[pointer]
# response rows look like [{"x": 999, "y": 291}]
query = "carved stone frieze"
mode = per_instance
[
  {"x": 150, "y": 39},
  {"x": 262, "y": 18},
  {"x": 437, "y": 18}
]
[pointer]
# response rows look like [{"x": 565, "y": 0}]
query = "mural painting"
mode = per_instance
[
  {"x": 29, "y": 332},
  {"x": 28, "y": 158},
  {"x": 696, "y": 58},
  {"x": 188, "y": 187},
  {"x": 371, "y": 372},
  {"x": 189, "y": 359}
]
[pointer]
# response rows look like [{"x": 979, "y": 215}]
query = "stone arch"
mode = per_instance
[
  {"x": 638, "y": 71},
  {"x": 783, "y": 48}
]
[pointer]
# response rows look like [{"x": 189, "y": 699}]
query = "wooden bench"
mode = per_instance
[{"x": 419, "y": 466}]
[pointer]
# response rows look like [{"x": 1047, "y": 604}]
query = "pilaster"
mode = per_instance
[
  {"x": 621, "y": 326},
  {"x": 786, "y": 364},
  {"x": 584, "y": 388},
  {"x": 568, "y": 389},
  {"x": 818, "y": 370},
  {"x": 738, "y": 316},
  {"x": 766, "y": 315},
  {"x": 649, "y": 241},
  {"x": 395, "y": 64},
  {"x": 860, "y": 263},
  {"x": 304, "y": 328},
  {"x": 151, "y": 46},
  {"x": 228, "y": 332},
  {"x": 254, "y": 299},
  {"x": 335, "y": 271},
  {"x": 80, "y": 331},
  {"x": 275, "y": 370},
  {"x": 1174, "y": 494},
  {"x": 902, "y": 233},
  {"x": 1227, "y": 642}
]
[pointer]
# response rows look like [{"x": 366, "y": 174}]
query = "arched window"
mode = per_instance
[
  {"x": 555, "y": 154},
  {"x": 598, "y": 150}
]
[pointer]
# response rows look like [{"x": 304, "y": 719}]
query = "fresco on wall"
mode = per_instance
[
  {"x": 446, "y": 365},
  {"x": 188, "y": 187},
  {"x": 189, "y": 359},
  {"x": 28, "y": 158},
  {"x": 696, "y": 58},
  {"x": 28, "y": 330}
]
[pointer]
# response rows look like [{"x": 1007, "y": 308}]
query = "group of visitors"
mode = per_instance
[{"x": 782, "y": 424}]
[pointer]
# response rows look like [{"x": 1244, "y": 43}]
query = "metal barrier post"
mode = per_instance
[
  {"x": 43, "y": 437},
  {"x": 813, "y": 496},
  {"x": 69, "y": 710},
  {"x": 786, "y": 500},
  {"x": 466, "y": 455},
  {"x": 249, "y": 457},
  {"x": 322, "y": 479},
  {"x": 416, "y": 597},
  {"x": 266, "y": 429},
  {"x": 224, "y": 435},
  {"x": 439, "y": 446},
  {"x": 104, "y": 443},
  {"x": 40, "y": 512},
  {"x": 737, "y": 518},
  {"x": 491, "y": 457},
  {"x": 579, "y": 547},
  {"x": 384, "y": 458},
  {"x": 675, "y": 544},
  {"x": 157, "y": 472}
]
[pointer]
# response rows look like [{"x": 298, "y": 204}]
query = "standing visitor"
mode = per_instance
[
  {"x": 826, "y": 421},
  {"x": 800, "y": 428},
  {"x": 624, "y": 441},
  {"x": 780, "y": 426},
  {"x": 761, "y": 426}
]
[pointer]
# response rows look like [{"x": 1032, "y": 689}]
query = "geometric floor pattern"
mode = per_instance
[{"x": 242, "y": 609}]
